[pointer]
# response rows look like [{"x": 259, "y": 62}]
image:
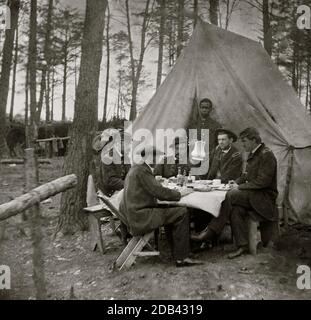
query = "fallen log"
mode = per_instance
[
  {"x": 36, "y": 195},
  {"x": 52, "y": 139},
  {"x": 22, "y": 161}
]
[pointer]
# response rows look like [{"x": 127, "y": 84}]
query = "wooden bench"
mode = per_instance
[
  {"x": 268, "y": 231},
  {"x": 96, "y": 217},
  {"x": 134, "y": 249}
]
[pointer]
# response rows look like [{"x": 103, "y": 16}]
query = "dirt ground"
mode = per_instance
[{"x": 70, "y": 262}]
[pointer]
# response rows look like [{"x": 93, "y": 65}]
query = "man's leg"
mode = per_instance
[
  {"x": 178, "y": 219},
  {"x": 233, "y": 198},
  {"x": 215, "y": 227},
  {"x": 238, "y": 220}
]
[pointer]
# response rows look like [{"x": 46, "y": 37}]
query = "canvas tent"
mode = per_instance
[{"x": 247, "y": 89}]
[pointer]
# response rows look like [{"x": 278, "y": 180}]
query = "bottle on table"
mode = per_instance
[
  {"x": 185, "y": 178},
  {"x": 179, "y": 177}
]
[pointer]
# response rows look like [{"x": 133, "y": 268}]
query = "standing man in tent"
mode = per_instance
[
  {"x": 253, "y": 194},
  {"x": 201, "y": 119}
]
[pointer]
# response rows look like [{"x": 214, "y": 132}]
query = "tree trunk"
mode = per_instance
[
  {"x": 45, "y": 66},
  {"x": 161, "y": 41},
  {"x": 180, "y": 27},
  {"x": 41, "y": 94},
  {"x": 267, "y": 31},
  {"x": 308, "y": 82},
  {"x": 47, "y": 97},
  {"x": 14, "y": 75},
  {"x": 108, "y": 67},
  {"x": 52, "y": 93},
  {"x": 213, "y": 11},
  {"x": 133, "y": 111},
  {"x": 294, "y": 67},
  {"x": 32, "y": 62},
  {"x": 27, "y": 105},
  {"x": 84, "y": 125},
  {"x": 64, "y": 95},
  {"x": 195, "y": 12},
  {"x": 5, "y": 74},
  {"x": 300, "y": 79},
  {"x": 171, "y": 40},
  {"x": 129, "y": 33},
  {"x": 32, "y": 180}
]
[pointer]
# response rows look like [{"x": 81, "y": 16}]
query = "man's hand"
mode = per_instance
[
  {"x": 185, "y": 191},
  {"x": 233, "y": 185}
]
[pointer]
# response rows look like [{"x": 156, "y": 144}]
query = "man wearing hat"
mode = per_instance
[
  {"x": 254, "y": 193},
  {"x": 141, "y": 213},
  {"x": 227, "y": 160},
  {"x": 169, "y": 164},
  {"x": 108, "y": 178}
]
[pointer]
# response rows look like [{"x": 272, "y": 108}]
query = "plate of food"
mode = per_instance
[
  {"x": 202, "y": 188},
  {"x": 203, "y": 182},
  {"x": 223, "y": 187}
]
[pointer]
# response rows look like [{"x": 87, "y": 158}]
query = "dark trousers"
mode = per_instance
[
  {"x": 200, "y": 219},
  {"x": 176, "y": 227},
  {"x": 235, "y": 201}
]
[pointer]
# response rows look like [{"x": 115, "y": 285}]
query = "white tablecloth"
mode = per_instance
[{"x": 206, "y": 201}]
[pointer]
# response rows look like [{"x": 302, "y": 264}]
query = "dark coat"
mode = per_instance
[
  {"x": 108, "y": 178},
  {"x": 168, "y": 170},
  {"x": 260, "y": 180},
  {"x": 229, "y": 164},
  {"x": 139, "y": 208}
]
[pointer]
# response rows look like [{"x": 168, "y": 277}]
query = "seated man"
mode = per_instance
[
  {"x": 108, "y": 178},
  {"x": 170, "y": 165},
  {"x": 142, "y": 214},
  {"x": 226, "y": 164},
  {"x": 254, "y": 193},
  {"x": 226, "y": 159}
]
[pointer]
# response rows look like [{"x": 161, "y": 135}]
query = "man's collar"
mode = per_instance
[
  {"x": 149, "y": 167},
  {"x": 254, "y": 150},
  {"x": 226, "y": 151}
]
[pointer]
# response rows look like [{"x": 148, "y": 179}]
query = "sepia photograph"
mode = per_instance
[{"x": 155, "y": 150}]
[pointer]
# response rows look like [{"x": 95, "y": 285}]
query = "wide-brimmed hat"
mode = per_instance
[{"x": 230, "y": 134}]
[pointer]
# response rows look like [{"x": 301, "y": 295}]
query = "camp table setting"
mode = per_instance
[{"x": 207, "y": 195}]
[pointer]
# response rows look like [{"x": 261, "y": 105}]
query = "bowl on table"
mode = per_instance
[{"x": 172, "y": 179}]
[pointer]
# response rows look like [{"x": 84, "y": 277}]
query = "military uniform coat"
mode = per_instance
[
  {"x": 260, "y": 181},
  {"x": 228, "y": 164},
  {"x": 139, "y": 208}
]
